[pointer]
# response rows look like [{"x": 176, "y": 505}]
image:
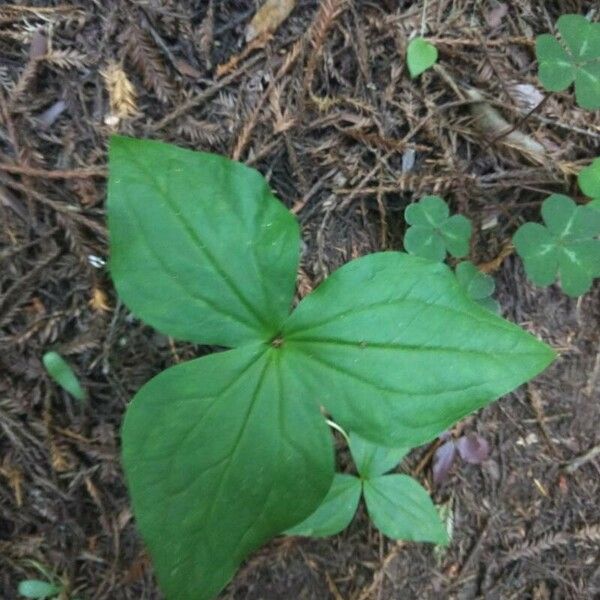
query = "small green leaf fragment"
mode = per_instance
[
  {"x": 429, "y": 211},
  {"x": 589, "y": 179},
  {"x": 575, "y": 33},
  {"x": 63, "y": 374},
  {"x": 401, "y": 509},
  {"x": 335, "y": 512},
  {"x": 372, "y": 459},
  {"x": 36, "y": 588},
  {"x": 556, "y": 69},
  {"x": 420, "y": 56},
  {"x": 405, "y": 353}
]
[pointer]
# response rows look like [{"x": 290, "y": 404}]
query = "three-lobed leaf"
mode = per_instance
[
  {"x": 420, "y": 56},
  {"x": 433, "y": 231},
  {"x": 224, "y": 452},
  {"x": 575, "y": 59},
  {"x": 566, "y": 246}
]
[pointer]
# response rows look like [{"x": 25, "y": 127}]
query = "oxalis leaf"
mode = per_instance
[
  {"x": 564, "y": 246},
  {"x": 225, "y": 451},
  {"x": 576, "y": 58},
  {"x": 433, "y": 231}
]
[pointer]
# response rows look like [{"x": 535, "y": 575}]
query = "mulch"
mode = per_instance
[{"x": 326, "y": 110}]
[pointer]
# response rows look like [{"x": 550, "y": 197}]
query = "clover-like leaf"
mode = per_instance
[
  {"x": 420, "y": 56},
  {"x": 171, "y": 213},
  {"x": 576, "y": 59},
  {"x": 223, "y": 452},
  {"x": 589, "y": 179},
  {"x": 335, "y": 512},
  {"x": 373, "y": 460},
  {"x": 433, "y": 231},
  {"x": 60, "y": 370},
  {"x": 220, "y": 455},
  {"x": 564, "y": 246},
  {"x": 401, "y": 509},
  {"x": 478, "y": 285}
]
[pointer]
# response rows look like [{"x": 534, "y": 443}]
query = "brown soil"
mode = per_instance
[{"x": 326, "y": 110}]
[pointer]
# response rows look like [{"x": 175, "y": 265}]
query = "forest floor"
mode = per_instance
[{"x": 326, "y": 110}]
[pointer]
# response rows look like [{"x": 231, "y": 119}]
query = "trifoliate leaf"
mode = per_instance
[
  {"x": 589, "y": 179},
  {"x": 63, "y": 374},
  {"x": 432, "y": 231},
  {"x": 564, "y": 246},
  {"x": 401, "y": 509},
  {"x": 420, "y": 56},
  {"x": 576, "y": 58},
  {"x": 478, "y": 286},
  {"x": 373, "y": 460},
  {"x": 335, "y": 512}
]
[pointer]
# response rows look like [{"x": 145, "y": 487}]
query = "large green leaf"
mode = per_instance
[
  {"x": 401, "y": 509},
  {"x": 396, "y": 351},
  {"x": 335, "y": 512},
  {"x": 221, "y": 453},
  {"x": 200, "y": 248},
  {"x": 373, "y": 460}
]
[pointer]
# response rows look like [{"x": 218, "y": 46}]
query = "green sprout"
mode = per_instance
[
  {"x": 63, "y": 374},
  {"x": 478, "y": 286},
  {"x": 420, "y": 56},
  {"x": 576, "y": 58},
  {"x": 433, "y": 231},
  {"x": 398, "y": 506},
  {"x": 566, "y": 245}
]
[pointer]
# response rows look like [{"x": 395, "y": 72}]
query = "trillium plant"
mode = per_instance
[{"x": 224, "y": 452}]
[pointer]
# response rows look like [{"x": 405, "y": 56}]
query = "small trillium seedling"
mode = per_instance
[
  {"x": 566, "y": 246},
  {"x": 576, "y": 58},
  {"x": 433, "y": 232},
  {"x": 226, "y": 451},
  {"x": 420, "y": 56},
  {"x": 398, "y": 506}
]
